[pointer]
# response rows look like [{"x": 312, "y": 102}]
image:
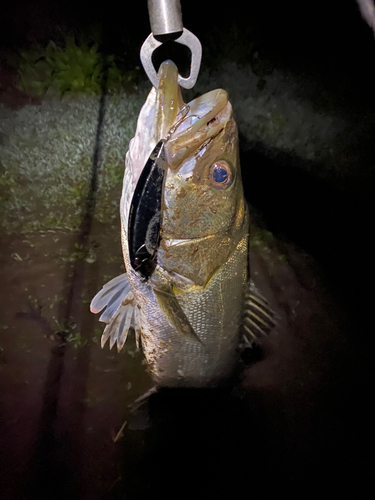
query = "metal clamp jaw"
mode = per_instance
[{"x": 166, "y": 22}]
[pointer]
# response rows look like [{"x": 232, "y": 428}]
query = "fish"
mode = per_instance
[{"x": 187, "y": 291}]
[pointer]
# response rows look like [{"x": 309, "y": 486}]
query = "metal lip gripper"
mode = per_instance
[{"x": 166, "y": 23}]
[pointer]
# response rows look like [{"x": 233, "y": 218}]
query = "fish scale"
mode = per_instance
[{"x": 188, "y": 308}]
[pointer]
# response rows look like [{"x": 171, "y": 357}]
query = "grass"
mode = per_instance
[
  {"x": 76, "y": 340},
  {"x": 71, "y": 68},
  {"x": 46, "y": 161},
  {"x": 46, "y": 151}
]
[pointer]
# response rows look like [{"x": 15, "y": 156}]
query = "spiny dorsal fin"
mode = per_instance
[
  {"x": 119, "y": 314},
  {"x": 259, "y": 318}
]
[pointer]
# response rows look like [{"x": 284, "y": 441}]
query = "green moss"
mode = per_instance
[
  {"x": 261, "y": 238},
  {"x": 57, "y": 70},
  {"x": 76, "y": 340}
]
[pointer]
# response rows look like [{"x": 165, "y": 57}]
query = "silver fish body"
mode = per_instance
[{"x": 189, "y": 312}]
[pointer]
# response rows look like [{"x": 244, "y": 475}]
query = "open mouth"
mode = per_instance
[
  {"x": 145, "y": 216},
  {"x": 183, "y": 129}
]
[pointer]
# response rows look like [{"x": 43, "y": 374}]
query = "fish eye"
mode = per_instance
[{"x": 221, "y": 175}]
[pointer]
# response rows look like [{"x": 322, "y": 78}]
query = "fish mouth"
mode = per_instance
[
  {"x": 185, "y": 126},
  {"x": 145, "y": 214},
  {"x": 169, "y": 101},
  {"x": 207, "y": 116}
]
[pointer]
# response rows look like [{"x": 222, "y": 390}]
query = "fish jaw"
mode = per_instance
[
  {"x": 169, "y": 102},
  {"x": 157, "y": 116},
  {"x": 195, "y": 260},
  {"x": 207, "y": 116}
]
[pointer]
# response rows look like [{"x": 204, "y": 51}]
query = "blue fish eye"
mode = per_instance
[{"x": 221, "y": 174}]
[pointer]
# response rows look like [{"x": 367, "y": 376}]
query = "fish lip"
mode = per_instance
[
  {"x": 211, "y": 112},
  {"x": 145, "y": 214}
]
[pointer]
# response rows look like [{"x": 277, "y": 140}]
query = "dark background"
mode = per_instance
[
  {"x": 327, "y": 40},
  {"x": 330, "y": 44}
]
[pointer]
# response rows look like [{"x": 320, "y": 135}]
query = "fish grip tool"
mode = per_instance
[{"x": 166, "y": 24}]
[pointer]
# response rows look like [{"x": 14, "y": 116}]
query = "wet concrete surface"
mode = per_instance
[
  {"x": 295, "y": 419},
  {"x": 56, "y": 394}
]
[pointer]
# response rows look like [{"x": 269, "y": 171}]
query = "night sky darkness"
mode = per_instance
[{"x": 325, "y": 41}]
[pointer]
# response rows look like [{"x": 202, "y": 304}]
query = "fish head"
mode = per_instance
[
  {"x": 203, "y": 207},
  {"x": 203, "y": 213}
]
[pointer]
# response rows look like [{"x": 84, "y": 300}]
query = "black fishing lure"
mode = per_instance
[{"x": 145, "y": 214}]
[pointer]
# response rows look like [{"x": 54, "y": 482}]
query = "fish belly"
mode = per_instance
[{"x": 215, "y": 314}]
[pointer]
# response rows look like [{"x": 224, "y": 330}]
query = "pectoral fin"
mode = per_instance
[
  {"x": 175, "y": 315},
  {"x": 259, "y": 318},
  {"x": 119, "y": 313}
]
